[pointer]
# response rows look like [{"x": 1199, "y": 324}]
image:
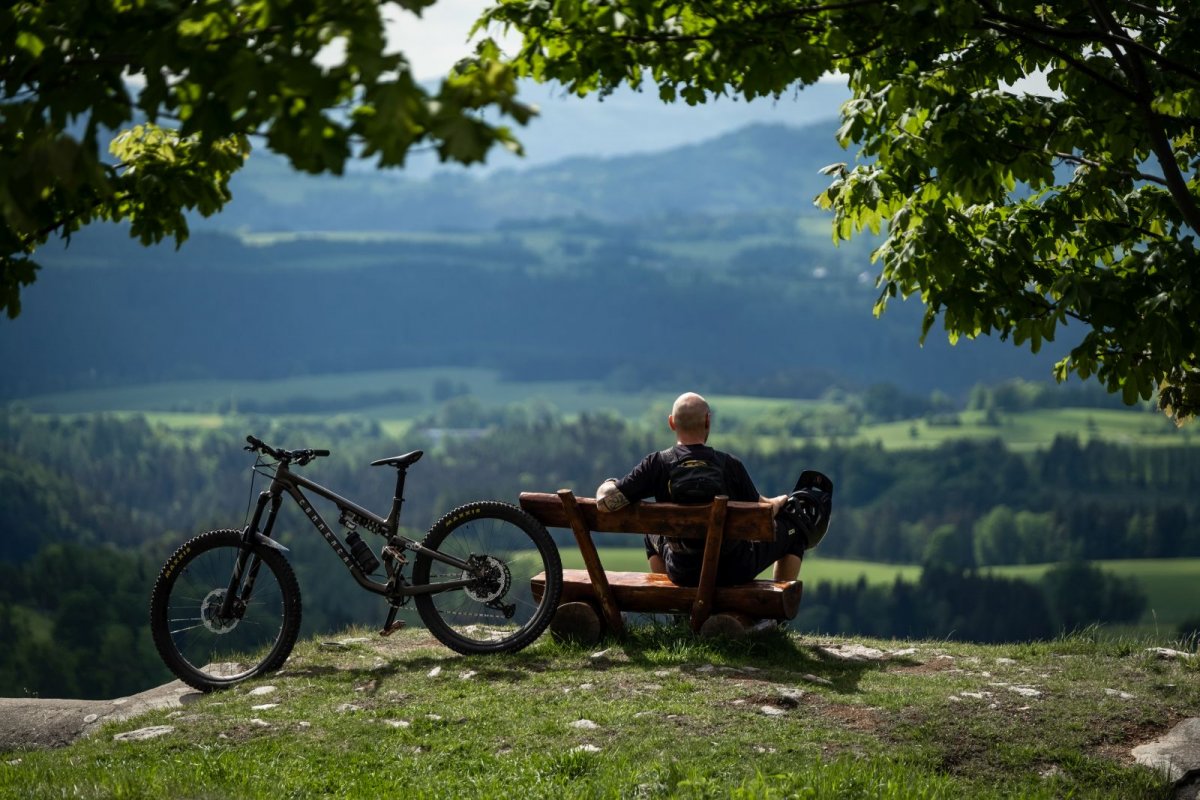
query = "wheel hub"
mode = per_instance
[
  {"x": 492, "y": 579},
  {"x": 210, "y": 613}
]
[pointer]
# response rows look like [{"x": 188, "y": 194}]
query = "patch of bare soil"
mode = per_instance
[
  {"x": 396, "y": 646},
  {"x": 933, "y": 665},
  {"x": 1116, "y": 744},
  {"x": 860, "y": 719}
]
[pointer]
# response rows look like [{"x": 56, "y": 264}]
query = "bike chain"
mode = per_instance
[{"x": 467, "y": 614}]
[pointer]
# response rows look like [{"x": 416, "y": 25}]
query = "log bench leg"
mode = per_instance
[
  {"x": 726, "y": 625},
  {"x": 577, "y": 622},
  {"x": 733, "y": 625}
]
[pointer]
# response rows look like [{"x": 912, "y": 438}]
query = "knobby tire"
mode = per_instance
[
  {"x": 203, "y": 651},
  {"x": 516, "y": 548}
]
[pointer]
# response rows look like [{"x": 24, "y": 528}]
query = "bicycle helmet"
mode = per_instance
[{"x": 808, "y": 508}]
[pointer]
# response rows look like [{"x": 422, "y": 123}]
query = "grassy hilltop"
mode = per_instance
[{"x": 658, "y": 715}]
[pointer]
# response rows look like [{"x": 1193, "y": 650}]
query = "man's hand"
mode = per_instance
[
  {"x": 608, "y": 498},
  {"x": 776, "y": 503}
]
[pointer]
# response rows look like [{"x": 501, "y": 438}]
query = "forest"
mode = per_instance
[{"x": 92, "y": 504}]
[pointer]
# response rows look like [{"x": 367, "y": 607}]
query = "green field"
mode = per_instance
[
  {"x": 1172, "y": 586},
  {"x": 487, "y": 386},
  {"x": 1031, "y": 429},
  {"x": 816, "y": 569},
  {"x": 739, "y": 421}
]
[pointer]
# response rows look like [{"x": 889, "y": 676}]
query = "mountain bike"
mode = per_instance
[{"x": 226, "y": 605}]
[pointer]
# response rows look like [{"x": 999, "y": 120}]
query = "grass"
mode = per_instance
[{"x": 667, "y": 716}]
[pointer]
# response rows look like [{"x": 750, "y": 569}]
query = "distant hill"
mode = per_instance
[
  {"x": 629, "y": 122},
  {"x": 706, "y": 261},
  {"x": 760, "y": 167}
]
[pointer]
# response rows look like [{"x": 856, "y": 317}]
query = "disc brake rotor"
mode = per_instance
[
  {"x": 210, "y": 613},
  {"x": 494, "y": 579}
]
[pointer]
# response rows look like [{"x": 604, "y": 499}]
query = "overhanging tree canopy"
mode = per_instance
[
  {"x": 204, "y": 78},
  {"x": 1006, "y": 212}
]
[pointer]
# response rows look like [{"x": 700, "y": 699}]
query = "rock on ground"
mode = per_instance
[
  {"x": 43, "y": 723},
  {"x": 1176, "y": 755}
]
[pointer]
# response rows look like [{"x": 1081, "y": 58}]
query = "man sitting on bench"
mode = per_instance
[{"x": 692, "y": 472}]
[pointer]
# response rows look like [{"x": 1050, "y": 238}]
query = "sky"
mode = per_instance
[
  {"x": 626, "y": 122},
  {"x": 438, "y": 38},
  {"x": 623, "y": 123}
]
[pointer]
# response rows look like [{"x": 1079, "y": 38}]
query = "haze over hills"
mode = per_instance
[
  {"x": 613, "y": 158},
  {"x": 703, "y": 262},
  {"x": 754, "y": 169},
  {"x": 629, "y": 122}
]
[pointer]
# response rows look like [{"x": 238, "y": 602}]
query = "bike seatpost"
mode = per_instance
[
  {"x": 401, "y": 463},
  {"x": 398, "y": 499}
]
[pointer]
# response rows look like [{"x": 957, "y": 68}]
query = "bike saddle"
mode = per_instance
[{"x": 400, "y": 462}]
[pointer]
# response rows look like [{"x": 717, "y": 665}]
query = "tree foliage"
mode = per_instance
[
  {"x": 189, "y": 85},
  {"x": 1008, "y": 212}
]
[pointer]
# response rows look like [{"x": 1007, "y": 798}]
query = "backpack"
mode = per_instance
[{"x": 693, "y": 480}]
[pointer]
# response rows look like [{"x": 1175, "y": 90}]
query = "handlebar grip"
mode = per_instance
[
  {"x": 320, "y": 452},
  {"x": 260, "y": 445}
]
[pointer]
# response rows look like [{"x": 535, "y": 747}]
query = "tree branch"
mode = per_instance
[
  {"x": 1159, "y": 142},
  {"x": 1141, "y": 176},
  {"x": 1113, "y": 35},
  {"x": 1070, "y": 58},
  {"x": 1153, "y": 12}
]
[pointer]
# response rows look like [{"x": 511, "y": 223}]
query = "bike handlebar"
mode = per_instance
[{"x": 301, "y": 457}]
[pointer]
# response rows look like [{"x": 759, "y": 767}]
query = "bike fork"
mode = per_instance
[{"x": 235, "y": 601}]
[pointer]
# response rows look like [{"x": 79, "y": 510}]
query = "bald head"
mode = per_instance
[{"x": 690, "y": 418}]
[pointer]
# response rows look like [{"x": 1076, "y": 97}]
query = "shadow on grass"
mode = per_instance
[
  {"x": 498, "y": 669},
  {"x": 773, "y": 656}
]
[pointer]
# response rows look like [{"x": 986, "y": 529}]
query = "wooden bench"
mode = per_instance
[{"x": 593, "y": 594}]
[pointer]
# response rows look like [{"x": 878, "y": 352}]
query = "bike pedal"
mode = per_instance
[{"x": 388, "y": 630}]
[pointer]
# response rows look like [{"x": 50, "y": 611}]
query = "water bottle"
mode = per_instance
[{"x": 362, "y": 552}]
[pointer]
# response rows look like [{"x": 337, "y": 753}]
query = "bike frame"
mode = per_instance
[{"x": 286, "y": 481}]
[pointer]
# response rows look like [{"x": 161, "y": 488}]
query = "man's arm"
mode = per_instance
[
  {"x": 609, "y": 497},
  {"x": 639, "y": 484}
]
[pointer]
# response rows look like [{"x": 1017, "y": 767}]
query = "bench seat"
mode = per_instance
[
  {"x": 595, "y": 598},
  {"x": 652, "y": 593}
]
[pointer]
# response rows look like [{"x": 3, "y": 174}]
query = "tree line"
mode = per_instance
[{"x": 947, "y": 602}]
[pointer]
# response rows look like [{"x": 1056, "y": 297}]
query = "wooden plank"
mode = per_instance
[
  {"x": 591, "y": 559},
  {"x": 651, "y": 593},
  {"x": 708, "y": 565},
  {"x": 743, "y": 521}
]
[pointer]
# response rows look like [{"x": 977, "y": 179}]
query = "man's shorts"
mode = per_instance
[{"x": 740, "y": 562}]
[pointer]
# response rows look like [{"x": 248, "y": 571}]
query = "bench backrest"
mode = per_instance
[
  {"x": 719, "y": 520},
  {"x": 743, "y": 521}
]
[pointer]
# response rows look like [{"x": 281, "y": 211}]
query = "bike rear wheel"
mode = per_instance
[
  {"x": 204, "y": 649},
  {"x": 504, "y": 610}
]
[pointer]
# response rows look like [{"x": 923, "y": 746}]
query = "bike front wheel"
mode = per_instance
[
  {"x": 206, "y": 649},
  {"x": 517, "y": 572}
]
